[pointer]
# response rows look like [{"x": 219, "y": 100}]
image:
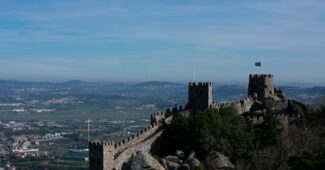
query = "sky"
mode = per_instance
[{"x": 164, "y": 40}]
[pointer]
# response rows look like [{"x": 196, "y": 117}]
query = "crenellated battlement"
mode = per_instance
[
  {"x": 200, "y": 84},
  {"x": 141, "y": 135},
  {"x": 173, "y": 110},
  {"x": 254, "y": 119},
  {"x": 284, "y": 118},
  {"x": 242, "y": 106},
  {"x": 288, "y": 116},
  {"x": 101, "y": 144},
  {"x": 96, "y": 144},
  {"x": 105, "y": 154},
  {"x": 156, "y": 119},
  {"x": 159, "y": 117},
  {"x": 109, "y": 155},
  {"x": 261, "y": 76}
]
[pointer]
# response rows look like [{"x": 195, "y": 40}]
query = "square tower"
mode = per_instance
[
  {"x": 261, "y": 85},
  {"x": 101, "y": 155},
  {"x": 199, "y": 96}
]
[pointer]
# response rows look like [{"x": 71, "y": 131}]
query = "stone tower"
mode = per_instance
[
  {"x": 101, "y": 155},
  {"x": 199, "y": 96},
  {"x": 261, "y": 85}
]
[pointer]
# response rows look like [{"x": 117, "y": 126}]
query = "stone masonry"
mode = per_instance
[
  {"x": 261, "y": 86},
  {"x": 199, "y": 95},
  {"x": 105, "y": 155}
]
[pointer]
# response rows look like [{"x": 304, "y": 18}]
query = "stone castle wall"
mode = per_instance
[
  {"x": 105, "y": 155},
  {"x": 241, "y": 106},
  {"x": 200, "y": 95},
  {"x": 284, "y": 118},
  {"x": 145, "y": 145}
]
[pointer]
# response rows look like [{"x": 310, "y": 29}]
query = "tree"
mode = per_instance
[
  {"x": 212, "y": 129},
  {"x": 307, "y": 161},
  {"x": 206, "y": 129},
  {"x": 235, "y": 138},
  {"x": 177, "y": 135},
  {"x": 269, "y": 131}
]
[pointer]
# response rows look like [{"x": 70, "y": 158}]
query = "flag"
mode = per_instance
[{"x": 258, "y": 64}]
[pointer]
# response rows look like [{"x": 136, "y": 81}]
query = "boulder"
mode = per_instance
[
  {"x": 193, "y": 163},
  {"x": 191, "y": 156},
  {"x": 163, "y": 163},
  {"x": 142, "y": 160},
  {"x": 170, "y": 165},
  {"x": 181, "y": 162},
  {"x": 172, "y": 158},
  {"x": 217, "y": 161},
  {"x": 180, "y": 154}
]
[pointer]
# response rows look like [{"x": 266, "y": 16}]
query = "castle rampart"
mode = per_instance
[
  {"x": 134, "y": 139},
  {"x": 160, "y": 117},
  {"x": 241, "y": 106},
  {"x": 283, "y": 118},
  {"x": 105, "y": 155},
  {"x": 144, "y": 145}
]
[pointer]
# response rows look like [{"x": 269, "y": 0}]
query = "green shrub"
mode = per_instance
[
  {"x": 208, "y": 130},
  {"x": 269, "y": 131}
]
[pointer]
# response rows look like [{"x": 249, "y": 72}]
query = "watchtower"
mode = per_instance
[
  {"x": 199, "y": 96},
  {"x": 101, "y": 155},
  {"x": 261, "y": 85}
]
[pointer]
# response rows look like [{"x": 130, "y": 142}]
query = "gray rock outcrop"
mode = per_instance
[
  {"x": 142, "y": 161},
  {"x": 180, "y": 162},
  {"x": 180, "y": 154},
  {"x": 170, "y": 165},
  {"x": 218, "y": 161}
]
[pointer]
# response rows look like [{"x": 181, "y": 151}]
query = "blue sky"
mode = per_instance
[{"x": 140, "y": 40}]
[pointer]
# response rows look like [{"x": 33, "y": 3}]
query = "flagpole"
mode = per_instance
[{"x": 88, "y": 130}]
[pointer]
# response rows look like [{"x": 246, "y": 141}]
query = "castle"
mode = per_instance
[{"x": 106, "y": 155}]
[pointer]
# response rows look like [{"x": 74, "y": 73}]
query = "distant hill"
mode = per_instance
[
  {"x": 149, "y": 89},
  {"x": 72, "y": 82},
  {"x": 159, "y": 84}
]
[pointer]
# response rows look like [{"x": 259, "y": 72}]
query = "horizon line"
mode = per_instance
[{"x": 215, "y": 82}]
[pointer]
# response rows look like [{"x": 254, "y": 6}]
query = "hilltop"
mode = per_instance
[{"x": 228, "y": 130}]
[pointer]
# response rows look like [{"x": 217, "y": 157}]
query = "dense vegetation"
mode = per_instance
[{"x": 269, "y": 145}]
